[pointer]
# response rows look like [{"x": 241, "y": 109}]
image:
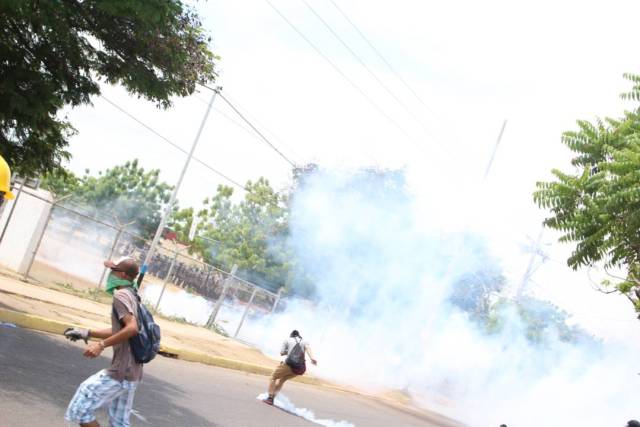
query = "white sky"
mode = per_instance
[{"x": 541, "y": 65}]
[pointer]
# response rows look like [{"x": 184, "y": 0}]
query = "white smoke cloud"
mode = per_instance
[
  {"x": 76, "y": 245},
  {"x": 383, "y": 319},
  {"x": 281, "y": 401}
]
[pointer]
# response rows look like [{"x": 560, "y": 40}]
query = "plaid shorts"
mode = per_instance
[{"x": 95, "y": 392}]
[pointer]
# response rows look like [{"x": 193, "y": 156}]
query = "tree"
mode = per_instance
[
  {"x": 475, "y": 293},
  {"x": 127, "y": 192},
  {"x": 252, "y": 234},
  {"x": 541, "y": 321},
  {"x": 480, "y": 294},
  {"x": 56, "y": 53},
  {"x": 598, "y": 205},
  {"x": 61, "y": 182}
]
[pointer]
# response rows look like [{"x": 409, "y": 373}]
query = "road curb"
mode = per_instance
[{"x": 31, "y": 321}]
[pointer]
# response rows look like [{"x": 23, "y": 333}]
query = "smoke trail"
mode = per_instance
[
  {"x": 384, "y": 318},
  {"x": 282, "y": 402}
]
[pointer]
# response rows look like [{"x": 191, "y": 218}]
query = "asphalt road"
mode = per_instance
[{"x": 40, "y": 372}]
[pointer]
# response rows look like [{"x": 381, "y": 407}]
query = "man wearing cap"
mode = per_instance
[
  {"x": 117, "y": 384},
  {"x": 5, "y": 182}
]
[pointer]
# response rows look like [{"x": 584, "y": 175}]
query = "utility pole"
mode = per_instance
[
  {"x": 167, "y": 211},
  {"x": 530, "y": 269},
  {"x": 495, "y": 149}
]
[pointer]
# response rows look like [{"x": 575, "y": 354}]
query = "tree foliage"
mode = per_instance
[
  {"x": 481, "y": 295},
  {"x": 125, "y": 193},
  {"x": 475, "y": 292},
  {"x": 56, "y": 53},
  {"x": 597, "y": 205},
  {"x": 250, "y": 234},
  {"x": 541, "y": 321}
]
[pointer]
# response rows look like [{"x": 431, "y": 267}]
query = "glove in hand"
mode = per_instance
[{"x": 74, "y": 334}]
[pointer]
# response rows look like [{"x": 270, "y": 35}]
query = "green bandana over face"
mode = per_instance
[{"x": 114, "y": 282}]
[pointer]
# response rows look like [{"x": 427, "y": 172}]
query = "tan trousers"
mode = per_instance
[{"x": 281, "y": 374}]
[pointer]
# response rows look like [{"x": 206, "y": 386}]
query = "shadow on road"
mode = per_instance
[{"x": 36, "y": 367}]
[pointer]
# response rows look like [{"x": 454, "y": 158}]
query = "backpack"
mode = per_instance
[
  {"x": 296, "y": 360},
  {"x": 146, "y": 344}
]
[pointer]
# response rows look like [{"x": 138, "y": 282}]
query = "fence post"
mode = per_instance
[
  {"x": 166, "y": 278},
  {"x": 208, "y": 274},
  {"x": 246, "y": 311},
  {"x": 223, "y": 294},
  {"x": 275, "y": 303},
  {"x": 35, "y": 250},
  {"x": 13, "y": 206}
]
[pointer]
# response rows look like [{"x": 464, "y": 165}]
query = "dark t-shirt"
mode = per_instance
[{"x": 123, "y": 365}]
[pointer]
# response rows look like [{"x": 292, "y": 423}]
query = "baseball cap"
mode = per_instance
[{"x": 125, "y": 265}]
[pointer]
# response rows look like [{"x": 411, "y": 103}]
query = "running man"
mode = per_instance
[
  {"x": 295, "y": 349},
  {"x": 116, "y": 385}
]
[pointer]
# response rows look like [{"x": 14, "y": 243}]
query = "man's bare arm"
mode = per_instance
[
  {"x": 129, "y": 330},
  {"x": 100, "y": 333},
  {"x": 307, "y": 348}
]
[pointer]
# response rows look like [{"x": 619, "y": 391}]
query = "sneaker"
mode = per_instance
[{"x": 268, "y": 400}]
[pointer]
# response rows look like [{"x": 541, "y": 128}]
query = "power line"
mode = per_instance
[
  {"x": 366, "y": 67},
  {"x": 238, "y": 124},
  {"x": 264, "y": 138},
  {"x": 225, "y": 115},
  {"x": 450, "y": 126},
  {"x": 229, "y": 118},
  {"x": 267, "y": 130},
  {"x": 338, "y": 70},
  {"x": 380, "y": 55},
  {"x": 167, "y": 140}
]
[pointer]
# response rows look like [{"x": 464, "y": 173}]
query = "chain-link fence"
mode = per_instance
[{"x": 74, "y": 243}]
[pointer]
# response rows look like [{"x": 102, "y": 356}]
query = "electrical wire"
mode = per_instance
[
  {"x": 225, "y": 115},
  {"x": 339, "y": 71},
  {"x": 167, "y": 140},
  {"x": 261, "y": 125},
  {"x": 355, "y": 27},
  {"x": 238, "y": 124},
  {"x": 366, "y": 67},
  {"x": 264, "y": 138}
]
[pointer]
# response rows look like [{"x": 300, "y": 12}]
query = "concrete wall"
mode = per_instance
[{"x": 24, "y": 229}]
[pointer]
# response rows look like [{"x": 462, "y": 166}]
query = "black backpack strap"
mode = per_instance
[{"x": 304, "y": 353}]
